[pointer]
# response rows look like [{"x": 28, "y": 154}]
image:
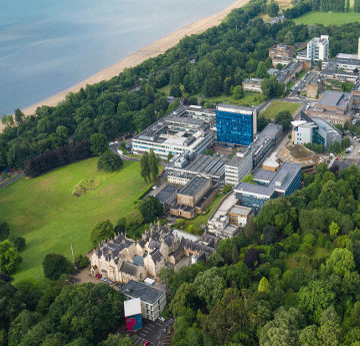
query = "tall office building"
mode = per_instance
[
  {"x": 318, "y": 48},
  {"x": 235, "y": 124}
]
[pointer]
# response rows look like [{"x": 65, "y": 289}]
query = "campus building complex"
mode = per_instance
[
  {"x": 238, "y": 167},
  {"x": 188, "y": 129},
  {"x": 235, "y": 124},
  {"x": 269, "y": 185}
]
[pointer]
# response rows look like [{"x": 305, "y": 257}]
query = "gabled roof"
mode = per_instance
[{"x": 129, "y": 268}]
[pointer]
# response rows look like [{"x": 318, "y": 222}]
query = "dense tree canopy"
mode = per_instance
[
  {"x": 109, "y": 162},
  {"x": 102, "y": 231},
  {"x": 55, "y": 265}
]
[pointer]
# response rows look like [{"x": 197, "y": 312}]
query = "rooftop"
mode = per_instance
[
  {"x": 233, "y": 108},
  {"x": 279, "y": 183},
  {"x": 166, "y": 193},
  {"x": 335, "y": 99},
  {"x": 253, "y": 80},
  {"x": 264, "y": 176},
  {"x": 193, "y": 186},
  {"x": 147, "y": 294},
  {"x": 132, "y": 307}
]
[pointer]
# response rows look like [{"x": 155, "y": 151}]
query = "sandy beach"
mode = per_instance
[{"x": 150, "y": 51}]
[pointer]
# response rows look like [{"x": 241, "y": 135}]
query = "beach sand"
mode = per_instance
[{"x": 150, "y": 51}]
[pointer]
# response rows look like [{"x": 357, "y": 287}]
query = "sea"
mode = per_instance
[{"x": 47, "y": 46}]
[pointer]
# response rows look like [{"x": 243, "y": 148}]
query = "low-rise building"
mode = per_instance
[
  {"x": 333, "y": 106},
  {"x": 269, "y": 185},
  {"x": 133, "y": 313},
  {"x": 188, "y": 165},
  {"x": 252, "y": 84},
  {"x": 152, "y": 299},
  {"x": 348, "y": 62},
  {"x": 167, "y": 195},
  {"x": 281, "y": 51},
  {"x": 239, "y": 166},
  {"x": 331, "y": 72},
  {"x": 194, "y": 197},
  {"x": 187, "y": 129},
  {"x": 265, "y": 141},
  {"x": 289, "y": 72},
  {"x": 228, "y": 217}
]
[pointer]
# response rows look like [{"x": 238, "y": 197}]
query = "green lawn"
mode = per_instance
[
  {"x": 44, "y": 211},
  {"x": 278, "y": 106},
  {"x": 203, "y": 218},
  {"x": 250, "y": 99},
  {"x": 328, "y": 18}
]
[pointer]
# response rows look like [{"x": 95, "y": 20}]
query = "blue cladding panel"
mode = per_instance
[{"x": 234, "y": 128}]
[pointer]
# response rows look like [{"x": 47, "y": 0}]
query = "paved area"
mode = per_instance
[{"x": 153, "y": 331}]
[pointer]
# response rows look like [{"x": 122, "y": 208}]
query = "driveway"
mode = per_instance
[{"x": 153, "y": 331}]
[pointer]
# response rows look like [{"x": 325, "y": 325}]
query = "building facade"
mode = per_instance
[
  {"x": 235, "y": 124},
  {"x": 238, "y": 167},
  {"x": 318, "y": 48},
  {"x": 252, "y": 84}
]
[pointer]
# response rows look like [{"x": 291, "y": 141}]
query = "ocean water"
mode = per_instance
[{"x": 47, "y": 46}]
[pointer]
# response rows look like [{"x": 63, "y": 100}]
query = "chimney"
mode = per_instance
[{"x": 359, "y": 49}]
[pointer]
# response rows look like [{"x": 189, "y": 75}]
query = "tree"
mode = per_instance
[
  {"x": 102, "y": 231},
  {"x": 272, "y": 9},
  {"x": 333, "y": 230},
  {"x": 19, "y": 116},
  {"x": 151, "y": 208},
  {"x": 54, "y": 265},
  {"x": 248, "y": 179},
  {"x": 19, "y": 243},
  {"x": 10, "y": 258},
  {"x": 118, "y": 340},
  {"x": 99, "y": 143},
  {"x": 153, "y": 166},
  {"x": 170, "y": 156},
  {"x": 341, "y": 262},
  {"x": 210, "y": 286},
  {"x": 227, "y": 188},
  {"x": 145, "y": 167},
  {"x": 335, "y": 147},
  {"x": 284, "y": 118},
  {"x": 345, "y": 143},
  {"x": 109, "y": 162},
  {"x": 261, "y": 70},
  {"x": 271, "y": 87},
  {"x": 238, "y": 92},
  {"x": 4, "y": 230},
  {"x": 264, "y": 286},
  {"x": 289, "y": 38},
  {"x": 252, "y": 258}
]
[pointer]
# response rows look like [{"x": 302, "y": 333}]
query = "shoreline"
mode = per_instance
[{"x": 150, "y": 51}]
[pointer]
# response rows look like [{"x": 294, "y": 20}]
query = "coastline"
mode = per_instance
[{"x": 150, "y": 51}]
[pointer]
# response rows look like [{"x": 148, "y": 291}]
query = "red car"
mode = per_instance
[
  {"x": 97, "y": 277},
  {"x": 147, "y": 343}
]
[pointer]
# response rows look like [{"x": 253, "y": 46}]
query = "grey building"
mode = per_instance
[
  {"x": 189, "y": 165},
  {"x": 152, "y": 299}
]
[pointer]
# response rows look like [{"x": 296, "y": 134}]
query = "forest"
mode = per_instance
[{"x": 210, "y": 64}]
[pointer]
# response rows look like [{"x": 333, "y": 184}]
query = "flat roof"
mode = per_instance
[
  {"x": 335, "y": 99},
  {"x": 185, "y": 235},
  {"x": 147, "y": 294},
  {"x": 264, "y": 176},
  {"x": 166, "y": 193},
  {"x": 132, "y": 307},
  {"x": 229, "y": 107},
  {"x": 193, "y": 186}
]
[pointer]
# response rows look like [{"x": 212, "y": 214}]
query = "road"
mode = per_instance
[{"x": 8, "y": 182}]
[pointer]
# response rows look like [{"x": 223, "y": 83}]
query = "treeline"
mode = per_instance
[
  {"x": 290, "y": 278},
  {"x": 58, "y": 157}
]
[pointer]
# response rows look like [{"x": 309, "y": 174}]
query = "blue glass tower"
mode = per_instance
[{"x": 235, "y": 124}]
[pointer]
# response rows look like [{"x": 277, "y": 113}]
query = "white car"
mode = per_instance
[{"x": 162, "y": 319}]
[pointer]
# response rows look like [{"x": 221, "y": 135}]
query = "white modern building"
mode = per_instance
[
  {"x": 314, "y": 130},
  {"x": 318, "y": 48},
  {"x": 188, "y": 129},
  {"x": 238, "y": 167}
]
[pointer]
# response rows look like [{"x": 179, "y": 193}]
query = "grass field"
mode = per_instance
[
  {"x": 250, "y": 99},
  {"x": 44, "y": 211},
  {"x": 328, "y": 18},
  {"x": 278, "y": 106}
]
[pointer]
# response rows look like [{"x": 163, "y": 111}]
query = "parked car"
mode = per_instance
[
  {"x": 97, "y": 277},
  {"x": 162, "y": 319},
  {"x": 164, "y": 330},
  {"x": 147, "y": 343}
]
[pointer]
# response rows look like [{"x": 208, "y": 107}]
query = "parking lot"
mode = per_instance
[{"x": 153, "y": 331}]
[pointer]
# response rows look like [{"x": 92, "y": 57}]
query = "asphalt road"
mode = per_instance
[{"x": 153, "y": 331}]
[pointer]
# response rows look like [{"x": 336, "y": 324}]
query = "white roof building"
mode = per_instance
[{"x": 132, "y": 307}]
